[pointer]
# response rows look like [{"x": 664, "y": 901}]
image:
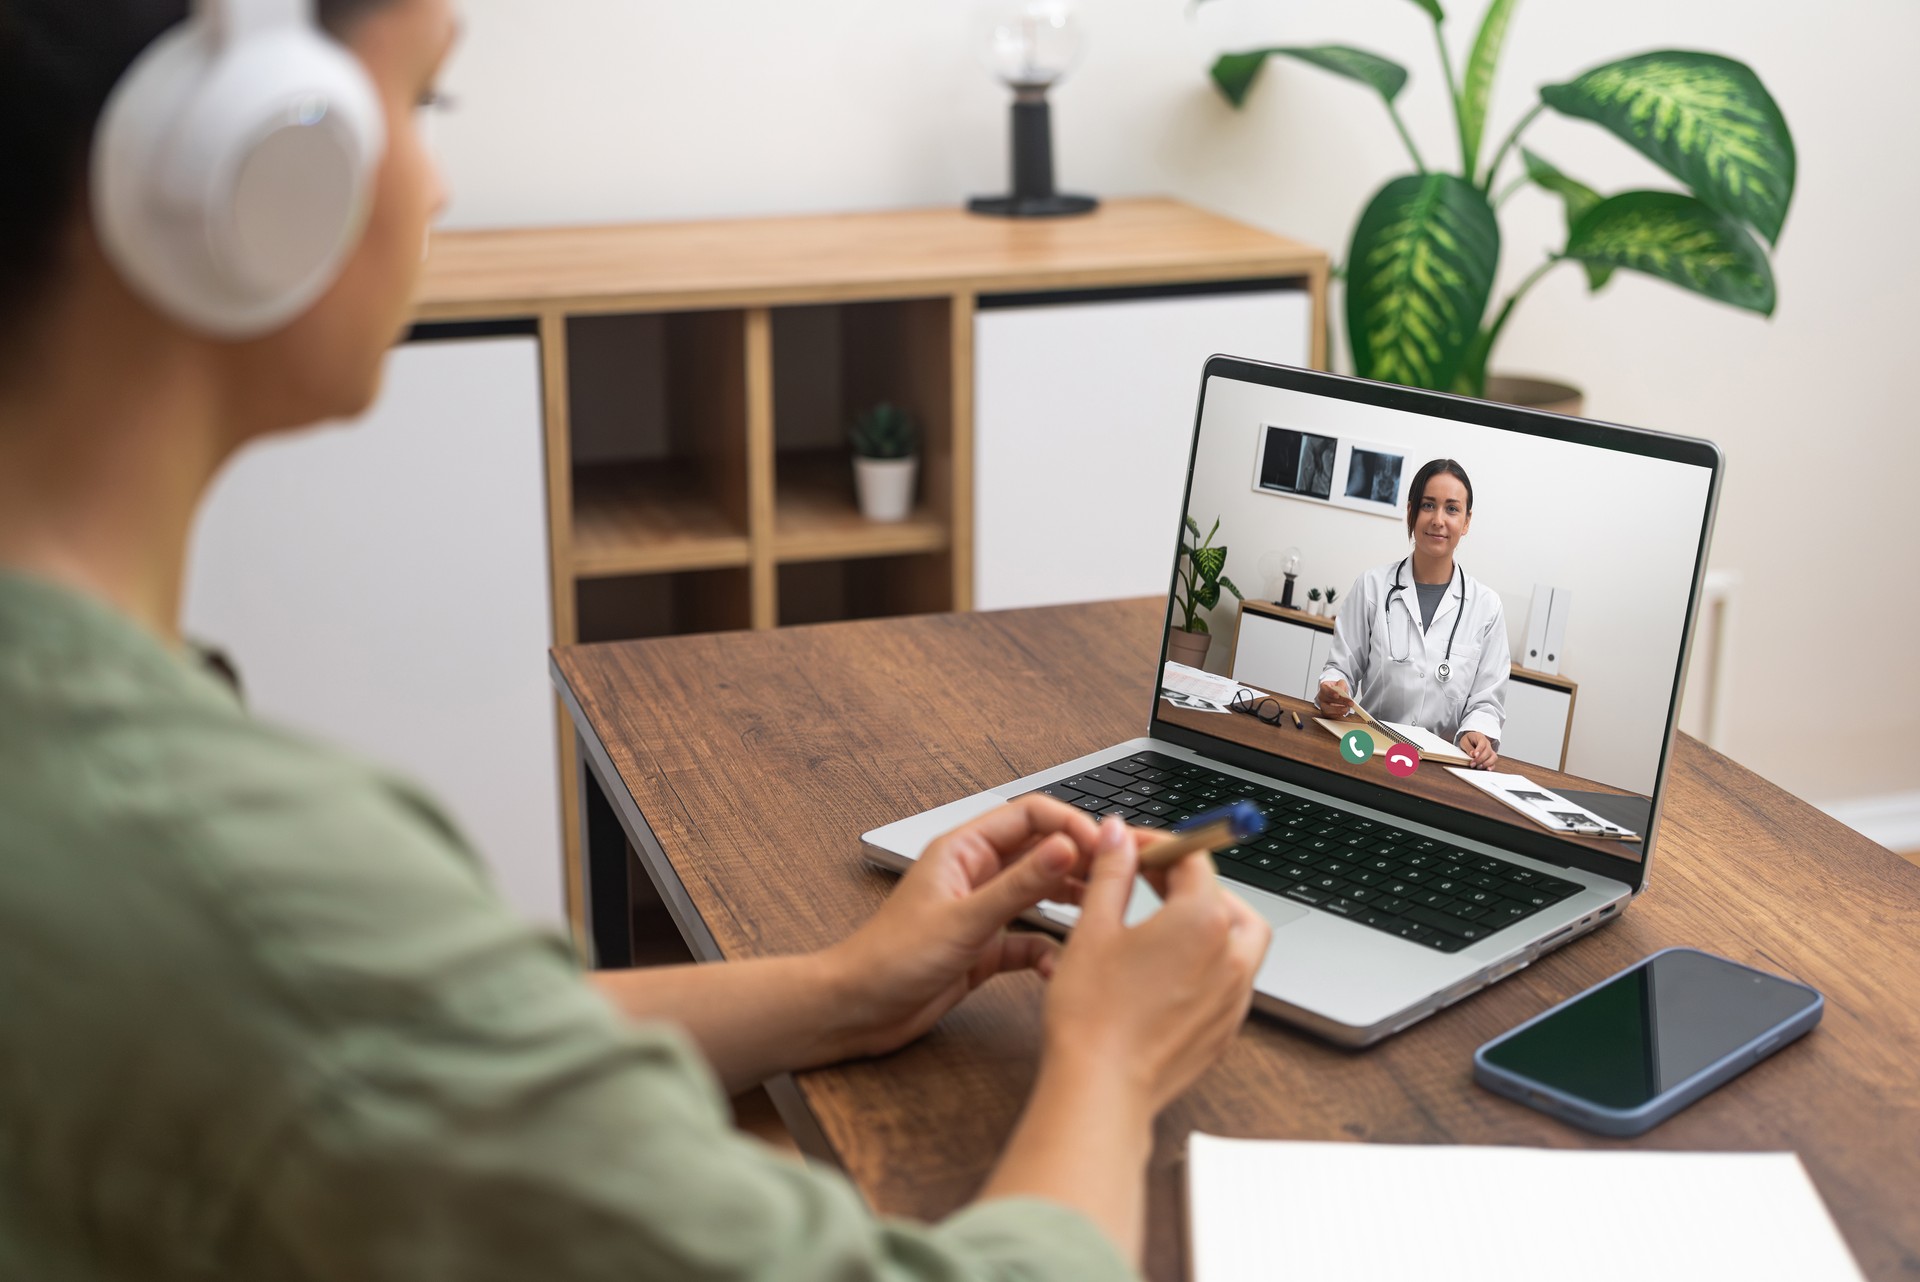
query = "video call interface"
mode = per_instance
[{"x": 1513, "y": 653}]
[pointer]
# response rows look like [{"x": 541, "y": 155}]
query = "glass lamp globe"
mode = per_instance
[
  {"x": 1034, "y": 45},
  {"x": 1293, "y": 562},
  {"x": 1031, "y": 46}
]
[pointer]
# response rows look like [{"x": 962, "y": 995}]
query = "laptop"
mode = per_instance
[{"x": 1394, "y": 895}]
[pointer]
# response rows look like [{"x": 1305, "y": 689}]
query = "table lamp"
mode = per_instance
[{"x": 1031, "y": 47}]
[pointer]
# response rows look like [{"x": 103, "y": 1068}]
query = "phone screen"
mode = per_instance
[{"x": 1629, "y": 1041}]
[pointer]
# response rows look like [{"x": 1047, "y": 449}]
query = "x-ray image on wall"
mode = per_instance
[
  {"x": 1298, "y": 463},
  {"x": 1374, "y": 476}
]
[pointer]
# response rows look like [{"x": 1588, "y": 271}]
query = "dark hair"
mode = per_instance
[
  {"x": 1427, "y": 473},
  {"x": 59, "y": 59}
]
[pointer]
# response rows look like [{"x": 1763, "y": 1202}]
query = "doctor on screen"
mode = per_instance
[{"x": 1422, "y": 642}]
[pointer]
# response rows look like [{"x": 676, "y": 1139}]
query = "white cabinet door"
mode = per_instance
[
  {"x": 1272, "y": 654},
  {"x": 1083, "y": 420},
  {"x": 1536, "y": 727},
  {"x": 384, "y": 586}
]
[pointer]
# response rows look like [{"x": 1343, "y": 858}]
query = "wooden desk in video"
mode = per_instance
[{"x": 1313, "y": 746}]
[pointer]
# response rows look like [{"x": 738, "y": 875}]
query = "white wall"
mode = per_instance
[
  {"x": 1618, "y": 530},
  {"x": 603, "y": 110}
]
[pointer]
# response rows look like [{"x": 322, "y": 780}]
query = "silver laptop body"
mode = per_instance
[{"x": 1346, "y": 981}]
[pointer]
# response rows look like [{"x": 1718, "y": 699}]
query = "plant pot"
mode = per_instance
[
  {"x": 1189, "y": 648},
  {"x": 1535, "y": 394},
  {"x": 885, "y": 486}
]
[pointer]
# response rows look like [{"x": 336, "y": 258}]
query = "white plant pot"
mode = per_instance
[{"x": 885, "y": 487}]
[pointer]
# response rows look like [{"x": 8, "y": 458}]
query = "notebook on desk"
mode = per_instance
[
  {"x": 1462, "y": 1214},
  {"x": 1391, "y": 897}
]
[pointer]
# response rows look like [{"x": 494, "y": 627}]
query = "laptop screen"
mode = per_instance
[{"x": 1458, "y": 612}]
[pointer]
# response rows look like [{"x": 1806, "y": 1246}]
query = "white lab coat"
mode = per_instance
[{"x": 1366, "y": 639}]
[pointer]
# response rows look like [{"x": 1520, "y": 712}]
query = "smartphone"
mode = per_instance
[{"x": 1633, "y": 1050}]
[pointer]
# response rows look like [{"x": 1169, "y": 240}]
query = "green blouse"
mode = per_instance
[{"x": 262, "y": 1017}]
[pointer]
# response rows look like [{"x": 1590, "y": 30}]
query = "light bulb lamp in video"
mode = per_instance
[{"x": 1031, "y": 48}]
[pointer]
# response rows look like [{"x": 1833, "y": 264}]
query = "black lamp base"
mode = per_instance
[
  {"x": 1033, "y": 195},
  {"x": 1056, "y": 206}
]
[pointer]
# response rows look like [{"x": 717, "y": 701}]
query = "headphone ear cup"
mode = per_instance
[{"x": 231, "y": 184}]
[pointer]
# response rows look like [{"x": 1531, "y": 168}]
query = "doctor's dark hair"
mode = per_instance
[
  {"x": 1418, "y": 490},
  {"x": 59, "y": 59}
]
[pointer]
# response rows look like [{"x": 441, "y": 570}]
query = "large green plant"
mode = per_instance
[
  {"x": 1202, "y": 575},
  {"x": 1420, "y": 271}
]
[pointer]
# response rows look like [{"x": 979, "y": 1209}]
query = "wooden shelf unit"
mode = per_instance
[{"x": 699, "y": 377}]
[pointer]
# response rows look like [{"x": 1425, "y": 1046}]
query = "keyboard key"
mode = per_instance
[
  {"x": 1112, "y": 777},
  {"x": 1520, "y": 876},
  {"x": 1490, "y": 866},
  {"x": 1061, "y": 792},
  {"x": 1150, "y": 775},
  {"x": 1379, "y": 920},
  {"x": 1418, "y": 876},
  {"x": 1468, "y": 912},
  {"x": 1121, "y": 813},
  {"x": 1299, "y": 872},
  {"x": 1391, "y": 904},
  {"x": 1128, "y": 767},
  {"x": 1151, "y": 821},
  {"x": 1362, "y": 895},
  {"x": 1131, "y": 800},
  {"x": 1332, "y": 885},
  {"x": 1157, "y": 808},
  {"x": 1092, "y": 787},
  {"x": 1365, "y": 877},
  {"x": 1307, "y": 895},
  {"x": 1147, "y": 789},
  {"x": 1484, "y": 881},
  {"x": 1406, "y": 888},
  {"x": 1447, "y": 922},
  {"x": 1442, "y": 883},
  {"x": 1175, "y": 799},
  {"x": 1433, "y": 899},
  {"x": 1509, "y": 911},
  {"x": 1334, "y": 867},
  {"x": 1341, "y": 907},
  {"x": 1442, "y": 943},
  {"x": 1557, "y": 888}
]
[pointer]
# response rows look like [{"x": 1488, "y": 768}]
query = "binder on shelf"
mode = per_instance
[{"x": 1547, "y": 628}]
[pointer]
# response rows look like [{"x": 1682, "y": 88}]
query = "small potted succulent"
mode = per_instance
[
  {"x": 886, "y": 462},
  {"x": 1331, "y": 594},
  {"x": 1202, "y": 575},
  {"x": 1313, "y": 601}
]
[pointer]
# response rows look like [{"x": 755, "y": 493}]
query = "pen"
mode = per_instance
[
  {"x": 1212, "y": 831},
  {"x": 1298, "y": 724}
]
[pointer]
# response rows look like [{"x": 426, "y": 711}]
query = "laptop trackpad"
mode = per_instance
[{"x": 1145, "y": 903}]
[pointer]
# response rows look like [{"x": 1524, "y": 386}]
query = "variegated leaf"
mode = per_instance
[
  {"x": 1476, "y": 84},
  {"x": 1681, "y": 240},
  {"x": 1705, "y": 119},
  {"x": 1235, "y": 73},
  {"x": 1579, "y": 198},
  {"x": 1209, "y": 562},
  {"x": 1419, "y": 273}
]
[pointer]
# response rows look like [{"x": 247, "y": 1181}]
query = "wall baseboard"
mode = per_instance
[{"x": 1892, "y": 820}]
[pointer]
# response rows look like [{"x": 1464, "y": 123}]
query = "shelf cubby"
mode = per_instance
[
  {"x": 862, "y": 588},
  {"x": 659, "y": 424},
  {"x": 658, "y": 605},
  {"x": 830, "y": 363}
]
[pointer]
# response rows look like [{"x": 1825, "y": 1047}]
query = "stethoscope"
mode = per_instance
[{"x": 1443, "y": 673}]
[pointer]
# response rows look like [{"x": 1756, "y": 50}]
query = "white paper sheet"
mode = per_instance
[
  {"x": 1204, "y": 686},
  {"x": 1266, "y": 1209}
]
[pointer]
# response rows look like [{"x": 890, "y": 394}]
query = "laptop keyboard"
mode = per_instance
[{"x": 1418, "y": 888}]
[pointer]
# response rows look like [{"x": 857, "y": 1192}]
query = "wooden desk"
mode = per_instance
[{"x": 744, "y": 767}]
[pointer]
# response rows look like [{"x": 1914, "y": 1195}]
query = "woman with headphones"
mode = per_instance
[
  {"x": 263, "y": 1016},
  {"x": 1421, "y": 641}
]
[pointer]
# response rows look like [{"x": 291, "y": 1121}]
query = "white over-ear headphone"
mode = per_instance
[{"x": 234, "y": 166}]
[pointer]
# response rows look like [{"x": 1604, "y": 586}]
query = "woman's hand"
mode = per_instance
[
  {"x": 1479, "y": 750},
  {"x": 943, "y": 931},
  {"x": 1159, "y": 1002},
  {"x": 1335, "y": 699}
]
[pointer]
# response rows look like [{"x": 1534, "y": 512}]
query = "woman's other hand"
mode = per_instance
[
  {"x": 1479, "y": 750},
  {"x": 943, "y": 932},
  {"x": 1335, "y": 699},
  {"x": 1161, "y": 1001}
]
